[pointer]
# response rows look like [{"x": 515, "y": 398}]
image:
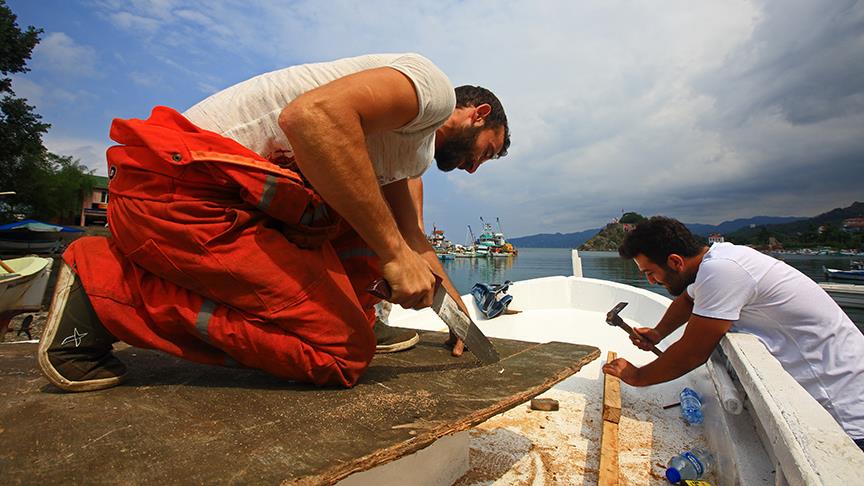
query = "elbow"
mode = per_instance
[{"x": 292, "y": 118}]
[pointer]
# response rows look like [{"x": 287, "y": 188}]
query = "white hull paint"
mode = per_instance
[{"x": 23, "y": 290}]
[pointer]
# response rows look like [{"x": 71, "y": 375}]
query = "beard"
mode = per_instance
[
  {"x": 676, "y": 282},
  {"x": 457, "y": 148}
]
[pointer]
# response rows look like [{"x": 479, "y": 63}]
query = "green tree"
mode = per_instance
[
  {"x": 631, "y": 218},
  {"x": 47, "y": 186}
]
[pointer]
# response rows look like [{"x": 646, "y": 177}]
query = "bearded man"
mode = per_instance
[
  {"x": 735, "y": 288},
  {"x": 247, "y": 230}
]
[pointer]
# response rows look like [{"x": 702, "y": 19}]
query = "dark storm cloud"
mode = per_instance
[{"x": 804, "y": 59}]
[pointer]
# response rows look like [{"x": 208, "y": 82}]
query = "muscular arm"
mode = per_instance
[
  {"x": 693, "y": 349},
  {"x": 406, "y": 201},
  {"x": 676, "y": 315},
  {"x": 327, "y": 128}
]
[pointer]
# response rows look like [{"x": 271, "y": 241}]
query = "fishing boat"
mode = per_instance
[
  {"x": 32, "y": 237},
  {"x": 492, "y": 243},
  {"x": 22, "y": 289},
  {"x": 761, "y": 425},
  {"x": 855, "y": 273}
]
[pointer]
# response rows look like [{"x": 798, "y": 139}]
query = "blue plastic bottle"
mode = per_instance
[
  {"x": 692, "y": 464},
  {"x": 691, "y": 407}
]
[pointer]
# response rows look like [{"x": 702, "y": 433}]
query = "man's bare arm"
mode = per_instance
[
  {"x": 327, "y": 128},
  {"x": 693, "y": 349},
  {"x": 675, "y": 316},
  {"x": 406, "y": 201}
]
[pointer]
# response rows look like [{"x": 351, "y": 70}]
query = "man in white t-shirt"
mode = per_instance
[
  {"x": 246, "y": 230},
  {"x": 735, "y": 288}
]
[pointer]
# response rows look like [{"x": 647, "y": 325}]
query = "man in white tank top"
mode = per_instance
[
  {"x": 355, "y": 124},
  {"x": 735, "y": 288}
]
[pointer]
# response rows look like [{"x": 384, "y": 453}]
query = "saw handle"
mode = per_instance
[{"x": 381, "y": 288}]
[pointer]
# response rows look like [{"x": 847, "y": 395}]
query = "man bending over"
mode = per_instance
[
  {"x": 735, "y": 288},
  {"x": 245, "y": 232}
]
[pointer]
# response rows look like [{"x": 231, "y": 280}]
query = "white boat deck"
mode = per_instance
[
  {"x": 761, "y": 425},
  {"x": 523, "y": 446}
]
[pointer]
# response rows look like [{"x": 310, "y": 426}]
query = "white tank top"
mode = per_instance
[{"x": 248, "y": 112}]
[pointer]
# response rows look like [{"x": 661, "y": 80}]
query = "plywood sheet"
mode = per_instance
[{"x": 175, "y": 421}]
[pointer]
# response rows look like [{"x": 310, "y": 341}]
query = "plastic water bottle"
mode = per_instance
[
  {"x": 691, "y": 407},
  {"x": 692, "y": 464}
]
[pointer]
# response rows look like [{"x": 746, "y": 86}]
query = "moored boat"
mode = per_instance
[
  {"x": 32, "y": 237},
  {"x": 22, "y": 289},
  {"x": 855, "y": 273}
]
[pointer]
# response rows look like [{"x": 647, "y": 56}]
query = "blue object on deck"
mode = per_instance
[{"x": 487, "y": 298}]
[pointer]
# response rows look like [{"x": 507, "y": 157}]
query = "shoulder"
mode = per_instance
[{"x": 429, "y": 80}]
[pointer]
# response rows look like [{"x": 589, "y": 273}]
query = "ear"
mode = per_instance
[
  {"x": 481, "y": 112},
  {"x": 675, "y": 262}
]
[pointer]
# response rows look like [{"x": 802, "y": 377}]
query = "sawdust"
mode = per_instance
[{"x": 525, "y": 447}]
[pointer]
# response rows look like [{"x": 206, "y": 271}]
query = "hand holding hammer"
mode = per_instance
[{"x": 613, "y": 319}]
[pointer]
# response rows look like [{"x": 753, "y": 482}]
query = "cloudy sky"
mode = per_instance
[{"x": 704, "y": 111}]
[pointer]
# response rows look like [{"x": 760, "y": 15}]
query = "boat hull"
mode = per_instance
[{"x": 23, "y": 290}]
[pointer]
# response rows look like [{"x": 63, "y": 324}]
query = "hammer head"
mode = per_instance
[{"x": 612, "y": 317}]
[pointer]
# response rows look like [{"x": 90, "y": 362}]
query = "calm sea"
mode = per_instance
[{"x": 545, "y": 262}]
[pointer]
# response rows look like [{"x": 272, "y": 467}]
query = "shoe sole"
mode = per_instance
[
  {"x": 65, "y": 280},
  {"x": 396, "y": 347}
]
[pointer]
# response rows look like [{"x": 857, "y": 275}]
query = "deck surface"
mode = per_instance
[{"x": 175, "y": 421}]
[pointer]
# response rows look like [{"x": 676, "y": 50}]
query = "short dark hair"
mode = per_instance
[
  {"x": 475, "y": 96},
  {"x": 657, "y": 238}
]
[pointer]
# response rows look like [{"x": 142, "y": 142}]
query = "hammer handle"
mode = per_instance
[{"x": 636, "y": 336}]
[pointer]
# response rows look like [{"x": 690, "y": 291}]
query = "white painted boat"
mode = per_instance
[
  {"x": 22, "y": 290},
  {"x": 780, "y": 434},
  {"x": 846, "y": 295},
  {"x": 854, "y": 275}
]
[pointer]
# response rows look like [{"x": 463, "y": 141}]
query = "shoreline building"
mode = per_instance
[{"x": 94, "y": 207}]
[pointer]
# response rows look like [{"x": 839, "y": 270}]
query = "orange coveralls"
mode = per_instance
[{"x": 200, "y": 264}]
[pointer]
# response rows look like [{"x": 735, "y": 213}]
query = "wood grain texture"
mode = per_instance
[
  {"x": 176, "y": 421},
  {"x": 608, "y": 474},
  {"x": 611, "y": 395}
]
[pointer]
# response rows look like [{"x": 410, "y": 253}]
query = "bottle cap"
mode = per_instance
[{"x": 673, "y": 475}]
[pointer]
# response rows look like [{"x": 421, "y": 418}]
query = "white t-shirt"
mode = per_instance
[
  {"x": 799, "y": 323},
  {"x": 248, "y": 112}
]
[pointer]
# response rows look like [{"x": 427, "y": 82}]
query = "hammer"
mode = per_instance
[{"x": 613, "y": 319}]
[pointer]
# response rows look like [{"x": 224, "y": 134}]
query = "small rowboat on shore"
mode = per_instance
[{"x": 22, "y": 289}]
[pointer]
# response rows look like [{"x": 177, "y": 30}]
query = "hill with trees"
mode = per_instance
[{"x": 824, "y": 230}]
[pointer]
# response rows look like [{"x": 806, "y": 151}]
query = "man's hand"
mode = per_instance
[
  {"x": 622, "y": 368},
  {"x": 458, "y": 347},
  {"x": 649, "y": 337},
  {"x": 411, "y": 280}
]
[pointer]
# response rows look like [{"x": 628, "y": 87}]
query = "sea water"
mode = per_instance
[{"x": 545, "y": 262}]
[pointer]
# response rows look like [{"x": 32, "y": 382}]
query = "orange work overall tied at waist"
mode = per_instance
[{"x": 222, "y": 257}]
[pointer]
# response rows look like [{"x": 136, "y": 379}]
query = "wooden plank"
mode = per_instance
[
  {"x": 611, "y": 395},
  {"x": 608, "y": 473},
  {"x": 179, "y": 421}
]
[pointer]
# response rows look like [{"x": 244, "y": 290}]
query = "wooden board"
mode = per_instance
[
  {"x": 611, "y": 395},
  {"x": 175, "y": 421},
  {"x": 608, "y": 473}
]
